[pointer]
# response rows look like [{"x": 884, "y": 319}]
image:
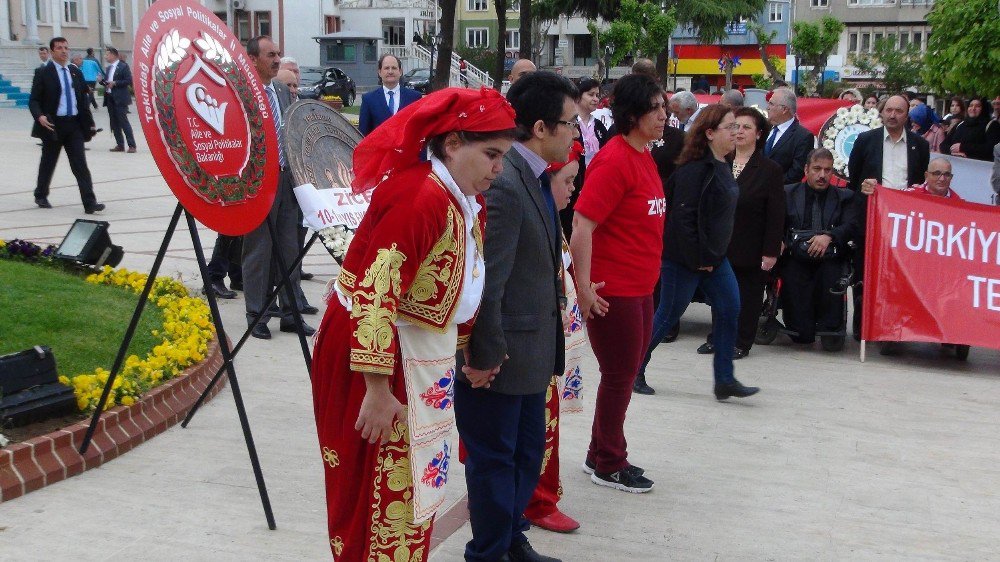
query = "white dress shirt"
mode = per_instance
[
  {"x": 62, "y": 110},
  {"x": 111, "y": 72},
  {"x": 894, "y": 161},
  {"x": 781, "y": 128},
  {"x": 394, "y": 106}
]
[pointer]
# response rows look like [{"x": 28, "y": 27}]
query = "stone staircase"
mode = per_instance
[{"x": 15, "y": 82}]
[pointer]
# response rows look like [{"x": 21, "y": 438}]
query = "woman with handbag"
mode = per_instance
[{"x": 701, "y": 199}]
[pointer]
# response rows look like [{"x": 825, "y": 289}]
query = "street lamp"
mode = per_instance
[
  {"x": 608, "y": 51},
  {"x": 435, "y": 41},
  {"x": 675, "y": 60}
]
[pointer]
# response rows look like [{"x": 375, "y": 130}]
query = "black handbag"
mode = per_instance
[
  {"x": 797, "y": 242},
  {"x": 30, "y": 390}
]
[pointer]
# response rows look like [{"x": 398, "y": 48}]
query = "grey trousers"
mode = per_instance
[{"x": 258, "y": 266}]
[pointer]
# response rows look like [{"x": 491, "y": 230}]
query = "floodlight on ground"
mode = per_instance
[{"x": 88, "y": 243}]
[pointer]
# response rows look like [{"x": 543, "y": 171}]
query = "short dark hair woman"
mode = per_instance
[
  {"x": 617, "y": 240},
  {"x": 757, "y": 226},
  {"x": 702, "y": 203}
]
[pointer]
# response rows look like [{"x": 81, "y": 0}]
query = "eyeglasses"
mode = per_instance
[
  {"x": 948, "y": 175},
  {"x": 570, "y": 124},
  {"x": 729, "y": 127}
]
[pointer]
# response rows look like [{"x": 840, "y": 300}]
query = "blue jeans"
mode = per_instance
[{"x": 677, "y": 285}]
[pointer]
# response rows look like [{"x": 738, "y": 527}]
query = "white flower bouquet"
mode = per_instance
[{"x": 336, "y": 240}]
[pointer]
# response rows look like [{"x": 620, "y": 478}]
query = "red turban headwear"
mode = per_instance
[
  {"x": 396, "y": 144},
  {"x": 574, "y": 154}
]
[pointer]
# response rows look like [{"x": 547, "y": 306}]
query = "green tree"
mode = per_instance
[
  {"x": 764, "y": 38},
  {"x": 963, "y": 53},
  {"x": 442, "y": 68},
  {"x": 813, "y": 43},
  {"x": 894, "y": 68},
  {"x": 501, "y": 53},
  {"x": 640, "y": 30}
]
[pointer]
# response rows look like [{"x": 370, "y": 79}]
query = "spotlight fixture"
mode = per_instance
[{"x": 88, "y": 243}]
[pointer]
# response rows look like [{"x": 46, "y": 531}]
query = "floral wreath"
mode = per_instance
[
  {"x": 336, "y": 239},
  {"x": 838, "y": 130},
  {"x": 172, "y": 51}
]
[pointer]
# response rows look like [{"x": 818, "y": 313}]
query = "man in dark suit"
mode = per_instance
[
  {"x": 890, "y": 155},
  {"x": 117, "y": 98},
  {"x": 518, "y": 333},
  {"x": 789, "y": 142},
  {"x": 259, "y": 265},
  {"x": 831, "y": 215},
  {"x": 386, "y": 100},
  {"x": 61, "y": 110}
]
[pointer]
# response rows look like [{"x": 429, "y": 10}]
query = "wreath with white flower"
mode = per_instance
[
  {"x": 336, "y": 239},
  {"x": 842, "y": 129}
]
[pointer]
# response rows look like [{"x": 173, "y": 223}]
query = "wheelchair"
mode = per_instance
[{"x": 769, "y": 326}]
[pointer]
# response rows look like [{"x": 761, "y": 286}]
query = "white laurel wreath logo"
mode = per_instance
[
  {"x": 173, "y": 49},
  {"x": 213, "y": 50}
]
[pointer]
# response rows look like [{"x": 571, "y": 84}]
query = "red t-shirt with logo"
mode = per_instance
[{"x": 623, "y": 194}]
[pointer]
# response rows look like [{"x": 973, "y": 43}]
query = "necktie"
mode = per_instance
[
  {"x": 770, "y": 141},
  {"x": 68, "y": 92},
  {"x": 392, "y": 103},
  {"x": 550, "y": 201},
  {"x": 684, "y": 127},
  {"x": 273, "y": 99},
  {"x": 817, "y": 215}
]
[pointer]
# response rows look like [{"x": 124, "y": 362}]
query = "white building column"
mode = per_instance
[
  {"x": 4, "y": 24},
  {"x": 105, "y": 21},
  {"x": 135, "y": 18},
  {"x": 31, "y": 21},
  {"x": 56, "y": 16}
]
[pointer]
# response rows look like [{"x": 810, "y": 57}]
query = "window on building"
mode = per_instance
[
  {"x": 262, "y": 23},
  {"x": 583, "y": 50},
  {"x": 71, "y": 11},
  {"x": 371, "y": 52},
  {"x": 866, "y": 42},
  {"x": 852, "y": 43},
  {"x": 41, "y": 10},
  {"x": 904, "y": 40},
  {"x": 774, "y": 14},
  {"x": 819, "y": 3},
  {"x": 394, "y": 32},
  {"x": 332, "y": 24},
  {"x": 115, "y": 13},
  {"x": 871, "y": 2},
  {"x": 918, "y": 39},
  {"x": 476, "y": 5},
  {"x": 514, "y": 6},
  {"x": 341, "y": 52},
  {"x": 477, "y": 37},
  {"x": 242, "y": 28},
  {"x": 513, "y": 39}
]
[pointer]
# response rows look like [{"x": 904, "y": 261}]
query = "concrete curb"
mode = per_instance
[{"x": 47, "y": 459}]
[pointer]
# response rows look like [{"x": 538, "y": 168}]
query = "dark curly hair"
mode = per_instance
[
  {"x": 759, "y": 121},
  {"x": 696, "y": 141},
  {"x": 630, "y": 100}
]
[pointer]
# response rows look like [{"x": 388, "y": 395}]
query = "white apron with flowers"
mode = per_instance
[{"x": 571, "y": 383}]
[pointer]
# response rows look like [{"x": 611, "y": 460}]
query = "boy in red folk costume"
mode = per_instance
[{"x": 407, "y": 294}]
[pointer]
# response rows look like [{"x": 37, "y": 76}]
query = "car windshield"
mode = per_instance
[
  {"x": 310, "y": 76},
  {"x": 418, "y": 74}
]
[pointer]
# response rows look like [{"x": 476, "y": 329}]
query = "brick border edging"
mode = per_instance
[{"x": 40, "y": 461}]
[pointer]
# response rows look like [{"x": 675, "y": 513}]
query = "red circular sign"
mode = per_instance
[{"x": 206, "y": 116}]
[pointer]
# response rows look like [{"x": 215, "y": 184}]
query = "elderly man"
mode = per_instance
[
  {"x": 683, "y": 106},
  {"x": 937, "y": 180},
  {"x": 732, "y": 99},
  {"x": 890, "y": 155},
  {"x": 289, "y": 64},
  {"x": 519, "y": 69},
  {"x": 819, "y": 222},
  {"x": 43, "y": 56},
  {"x": 289, "y": 79},
  {"x": 789, "y": 142},
  {"x": 382, "y": 103}
]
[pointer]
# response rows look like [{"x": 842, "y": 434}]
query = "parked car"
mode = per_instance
[
  {"x": 315, "y": 82},
  {"x": 419, "y": 79}
]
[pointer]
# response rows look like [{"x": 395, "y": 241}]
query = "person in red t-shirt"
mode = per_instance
[{"x": 617, "y": 239}]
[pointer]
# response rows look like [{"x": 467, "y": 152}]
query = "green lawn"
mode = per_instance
[
  {"x": 354, "y": 109},
  {"x": 83, "y": 323}
]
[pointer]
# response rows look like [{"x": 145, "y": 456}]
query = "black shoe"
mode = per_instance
[
  {"x": 93, "y": 208},
  {"x": 305, "y": 276},
  {"x": 306, "y": 328},
  {"x": 524, "y": 553},
  {"x": 309, "y": 309},
  {"x": 734, "y": 389},
  {"x": 236, "y": 285},
  {"x": 706, "y": 348},
  {"x": 740, "y": 353},
  {"x": 220, "y": 290},
  {"x": 261, "y": 331},
  {"x": 640, "y": 386},
  {"x": 590, "y": 466},
  {"x": 43, "y": 202},
  {"x": 623, "y": 480},
  {"x": 673, "y": 333}
]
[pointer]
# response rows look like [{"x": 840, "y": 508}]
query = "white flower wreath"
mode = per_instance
[
  {"x": 336, "y": 240},
  {"x": 842, "y": 128}
]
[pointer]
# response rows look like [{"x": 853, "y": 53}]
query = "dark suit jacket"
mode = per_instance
[
  {"x": 119, "y": 94},
  {"x": 44, "y": 99},
  {"x": 665, "y": 155},
  {"x": 374, "y": 110},
  {"x": 760, "y": 213},
  {"x": 791, "y": 150},
  {"x": 866, "y": 158},
  {"x": 520, "y": 312},
  {"x": 840, "y": 213},
  {"x": 566, "y": 215}
]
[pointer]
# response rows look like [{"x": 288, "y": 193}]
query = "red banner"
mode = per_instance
[
  {"x": 812, "y": 113},
  {"x": 932, "y": 271}
]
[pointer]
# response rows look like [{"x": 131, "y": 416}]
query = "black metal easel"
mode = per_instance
[{"x": 227, "y": 353}]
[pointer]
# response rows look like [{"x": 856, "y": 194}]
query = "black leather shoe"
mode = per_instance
[
  {"x": 220, "y": 290},
  {"x": 524, "y": 553},
  {"x": 734, "y": 389},
  {"x": 306, "y": 328},
  {"x": 305, "y": 276},
  {"x": 706, "y": 349},
  {"x": 261, "y": 331},
  {"x": 640, "y": 386},
  {"x": 309, "y": 309},
  {"x": 673, "y": 333},
  {"x": 43, "y": 202},
  {"x": 740, "y": 353},
  {"x": 93, "y": 208}
]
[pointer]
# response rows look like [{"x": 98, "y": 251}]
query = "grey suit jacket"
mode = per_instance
[{"x": 520, "y": 314}]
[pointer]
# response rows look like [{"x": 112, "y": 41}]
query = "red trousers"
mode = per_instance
[{"x": 369, "y": 488}]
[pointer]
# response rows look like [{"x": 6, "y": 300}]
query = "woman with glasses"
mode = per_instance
[{"x": 702, "y": 197}]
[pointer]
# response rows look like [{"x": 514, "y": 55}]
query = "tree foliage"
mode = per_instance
[
  {"x": 813, "y": 43},
  {"x": 497, "y": 70},
  {"x": 895, "y": 68},
  {"x": 640, "y": 30},
  {"x": 963, "y": 53},
  {"x": 442, "y": 68},
  {"x": 764, "y": 38}
]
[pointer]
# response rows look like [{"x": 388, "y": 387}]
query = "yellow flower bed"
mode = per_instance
[{"x": 187, "y": 330}]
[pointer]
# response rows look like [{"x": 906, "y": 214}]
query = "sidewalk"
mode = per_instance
[{"x": 834, "y": 459}]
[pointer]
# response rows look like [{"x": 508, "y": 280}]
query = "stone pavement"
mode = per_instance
[{"x": 835, "y": 459}]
